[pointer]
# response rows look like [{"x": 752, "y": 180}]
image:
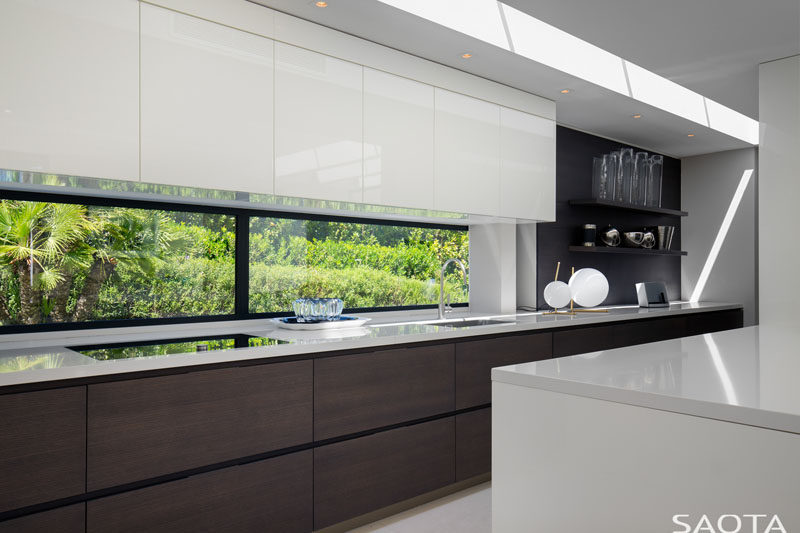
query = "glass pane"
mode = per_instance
[
  {"x": 366, "y": 265},
  {"x": 63, "y": 262}
]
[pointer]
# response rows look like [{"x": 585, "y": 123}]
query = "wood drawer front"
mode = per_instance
[
  {"x": 583, "y": 340},
  {"x": 70, "y": 519},
  {"x": 475, "y": 360},
  {"x": 149, "y": 427},
  {"x": 644, "y": 331},
  {"x": 42, "y": 446},
  {"x": 357, "y": 476},
  {"x": 716, "y": 321},
  {"x": 358, "y": 392},
  {"x": 473, "y": 443},
  {"x": 274, "y": 495}
]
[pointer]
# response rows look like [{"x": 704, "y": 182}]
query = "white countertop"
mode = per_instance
[
  {"x": 52, "y": 361},
  {"x": 748, "y": 376}
]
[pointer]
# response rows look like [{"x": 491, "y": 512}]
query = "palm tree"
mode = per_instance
[
  {"x": 37, "y": 240},
  {"x": 49, "y": 247}
]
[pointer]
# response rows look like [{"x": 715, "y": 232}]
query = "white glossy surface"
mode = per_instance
[
  {"x": 467, "y": 145},
  {"x": 69, "y": 100},
  {"x": 589, "y": 287},
  {"x": 527, "y": 166},
  {"x": 387, "y": 329},
  {"x": 206, "y": 97},
  {"x": 629, "y": 469},
  {"x": 318, "y": 126},
  {"x": 398, "y": 141},
  {"x": 745, "y": 375},
  {"x": 778, "y": 190}
]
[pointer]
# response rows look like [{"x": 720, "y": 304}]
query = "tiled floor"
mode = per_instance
[{"x": 468, "y": 511}]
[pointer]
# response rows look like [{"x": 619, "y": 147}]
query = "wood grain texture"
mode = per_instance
[
  {"x": 475, "y": 360},
  {"x": 473, "y": 443},
  {"x": 42, "y": 446},
  {"x": 274, "y": 495},
  {"x": 364, "y": 474},
  {"x": 70, "y": 519},
  {"x": 582, "y": 340},
  {"x": 358, "y": 392},
  {"x": 574, "y": 153},
  {"x": 149, "y": 427}
]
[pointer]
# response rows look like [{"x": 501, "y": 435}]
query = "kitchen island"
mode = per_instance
[{"x": 651, "y": 437}]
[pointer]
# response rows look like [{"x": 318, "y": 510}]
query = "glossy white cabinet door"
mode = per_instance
[
  {"x": 318, "y": 126},
  {"x": 69, "y": 95},
  {"x": 527, "y": 166},
  {"x": 467, "y": 145},
  {"x": 398, "y": 141},
  {"x": 206, "y": 104}
]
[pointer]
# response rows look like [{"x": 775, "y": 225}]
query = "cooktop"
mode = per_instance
[{"x": 127, "y": 350}]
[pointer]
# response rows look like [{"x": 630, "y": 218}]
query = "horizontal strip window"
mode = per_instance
[{"x": 69, "y": 262}]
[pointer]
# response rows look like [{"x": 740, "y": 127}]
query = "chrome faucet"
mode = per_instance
[{"x": 442, "y": 308}]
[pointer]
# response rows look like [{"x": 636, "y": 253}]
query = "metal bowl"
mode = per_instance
[{"x": 633, "y": 239}]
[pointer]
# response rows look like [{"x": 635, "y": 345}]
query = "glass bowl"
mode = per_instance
[{"x": 317, "y": 309}]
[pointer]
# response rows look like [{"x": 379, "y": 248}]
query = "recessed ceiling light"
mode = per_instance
[
  {"x": 637, "y": 115},
  {"x": 690, "y": 135},
  {"x": 566, "y": 91},
  {"x": 466, "y": 56},
  {"x": 321, "y": 4}
]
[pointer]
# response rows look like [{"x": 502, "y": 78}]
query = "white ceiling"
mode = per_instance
[{"x": 710, "y": 46}]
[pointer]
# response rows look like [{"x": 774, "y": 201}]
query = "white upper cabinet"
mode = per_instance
[
  {"x": 527, "y": 166},
  {"x": 69, "y": 92},
  {"x": 398, "y": 141},
  {"x": 207, "y": 106},
  {"x": 318, "y": 126},
  {"x": 467, "y": 145}
]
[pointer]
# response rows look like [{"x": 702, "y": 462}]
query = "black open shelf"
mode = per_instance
[
  {"x": 622, "y": 250},
  {"x": 629, "y": 207}
]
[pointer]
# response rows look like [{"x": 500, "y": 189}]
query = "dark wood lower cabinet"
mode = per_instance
[
  {"x": 475, "y": 360},
  {"x": 274, "y": 495},
  {"x": 717, "y": 321},
  {"x": 70, "y": 519},
  {"x": 364, "y": 391},
  {"x": 42, "y": 446},
  {"x": 473, "y": 443},
  {"x": 149, "y": 427},
  {"x": 357, "y": 476},
  {"x": 582, "y": 340},
  {"x": 644, "y": 331}
]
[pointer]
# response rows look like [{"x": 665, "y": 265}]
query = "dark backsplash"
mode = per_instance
[{"x": 574, "y": 153}]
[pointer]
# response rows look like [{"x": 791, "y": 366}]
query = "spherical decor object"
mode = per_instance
[
  {"x": 557, "y": 294},
  {"x": 589, "y": 287}
]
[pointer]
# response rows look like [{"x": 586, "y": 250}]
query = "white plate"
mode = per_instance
[{"x": 354, "y": 322}]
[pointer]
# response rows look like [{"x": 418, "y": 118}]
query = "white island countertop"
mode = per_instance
[
  {"x": 747, "y": 376},
  {"x": 38, "y": 357}
]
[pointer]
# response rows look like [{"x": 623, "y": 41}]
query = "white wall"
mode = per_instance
[
  {"x": 526, "y": 265},
  {"x": 709, "y": 185},
  {"x": 493, "y": 268},
  {"x": 779, "y": 192}
]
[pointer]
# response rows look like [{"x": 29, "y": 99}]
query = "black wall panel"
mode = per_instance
[{"x": 574, "y": 153}]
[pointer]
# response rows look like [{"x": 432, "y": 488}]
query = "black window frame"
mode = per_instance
[{"x": 241, "y": 256}]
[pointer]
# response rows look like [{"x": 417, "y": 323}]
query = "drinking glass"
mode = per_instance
[
  {"x": 612, "y": 169},
  {"x": 641, "y": 171},
  {"x": 654, "y": 180},
  {"x": 625, "y": 173},
  {"x": 600, "y": 181}
]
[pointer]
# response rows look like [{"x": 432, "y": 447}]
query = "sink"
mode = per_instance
[{"x": 467, "y": 323}]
